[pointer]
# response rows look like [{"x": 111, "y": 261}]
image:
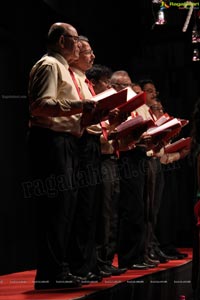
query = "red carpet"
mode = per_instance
[{"x": 19, "y": 286}]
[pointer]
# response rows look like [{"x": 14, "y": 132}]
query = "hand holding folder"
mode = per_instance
[
  {"x": 166, "y": 127},
  {"x": 134, "y": 127},
  {"x": 161, "y": 135},
  {"x": 106, "y": 101},
  {"x": 183, "y": 143},
  {"x": 133, "y": 102}
]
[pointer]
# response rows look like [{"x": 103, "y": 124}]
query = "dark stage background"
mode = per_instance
[{"x": 122, "y": 37}]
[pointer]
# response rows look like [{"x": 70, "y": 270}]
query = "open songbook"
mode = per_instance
[
  {"x": 135, "y": 127},
  {"x": 166, "y": 127},
  {"x": 163, "y": 119},
  {"x": 163, "y": 134},
  {"x": 184, "y": 122},
  {"x": 106, "y": 101},
  {"x": 133, "y": 101},
  {"x": 178, "y": 145}
]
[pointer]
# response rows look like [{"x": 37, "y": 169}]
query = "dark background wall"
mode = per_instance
[{"x": 122, "y": 38}]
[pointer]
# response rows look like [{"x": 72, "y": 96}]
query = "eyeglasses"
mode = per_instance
[
  {"x": 154, "y": 107},
  {"x": 106, "y": 81},
  {"x": 150, "y": 91},
  {"x": 124, "y": 85},
  {"x": 87, "y": 52},
  {"x": 75, "y": 38}
]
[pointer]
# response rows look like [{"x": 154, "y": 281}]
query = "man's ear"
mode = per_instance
[{"x": 61, "y": 41}]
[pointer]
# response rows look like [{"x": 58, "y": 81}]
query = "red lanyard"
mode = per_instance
[
  {"x": 90, "y": 86},
  {"x": 102, "y": 123},
  {"x": 75, "y": 83},
  {"x": 152, "y": 115}
]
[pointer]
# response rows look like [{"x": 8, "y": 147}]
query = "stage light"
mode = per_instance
[
  {"x": 195, "y": 35},
  {"x": 195, "y": 55},
  {"x": 156, "y": 1},
  {"x": 160, "y": 17}
]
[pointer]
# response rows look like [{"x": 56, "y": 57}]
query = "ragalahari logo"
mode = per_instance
[{"x": 180, "y": 5}]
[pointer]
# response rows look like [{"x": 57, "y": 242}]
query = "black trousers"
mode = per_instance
[
  {"x": 107, "y": 233},
  {"x": 155, "y": 186},
  {"x": 166, "y": 228},
  {"x": 132, "y": 223},
  {"x": 83, "y": 246},
  {"x": 53, "y": 158}
]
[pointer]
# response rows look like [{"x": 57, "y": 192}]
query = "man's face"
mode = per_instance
[
  {"x": 151, "y": 93},
  {"x": 121, "y": 82},
  {"x": 101, "y": 85},
  {"x": 157, "y": 108},
  {"x": 86, "y": 57}
]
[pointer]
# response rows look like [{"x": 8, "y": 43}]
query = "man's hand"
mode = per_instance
[
  {"x": 88, "y": 105},
  {"x": 184, "y": 152},
  {"x": 115, "y": 117}
]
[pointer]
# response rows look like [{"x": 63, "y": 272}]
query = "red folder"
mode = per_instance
[
  {"x": 161, "y": 135},
  {"x": 175, "y": 131},
  {"x": 133, "y": 103},
  {"x": 184, "y": 122},
  {"x": 163, "y": 119},
  {"x": 172, "y": 133},
  {"x": 178, "y": 145},
  {"x": 166, "y": 127},
  {"x": 135, "y": 126},
  {"x": 106, "y": 101}
]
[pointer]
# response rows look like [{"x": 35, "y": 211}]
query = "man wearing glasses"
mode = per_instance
[
  {"x": 120, "y": 80},
  {"x": 55, "y": 110},
  {"x": 83, "y": 254}
]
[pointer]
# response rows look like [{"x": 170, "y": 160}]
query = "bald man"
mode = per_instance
[{"x": 55, "y": 111}]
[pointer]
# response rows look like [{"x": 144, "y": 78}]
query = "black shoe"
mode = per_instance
[
  {"x": 113, "y": 270},
  {"x": 160, "y": 253},
  {"x": 175, "y": 252},
  {"x": 104, "y": 272},
  {"x": 149, "y": 263},
  {"x": 90, "y": 278},
  {"x": 152, "y": 261},
  {"x": 139, "y": 266},
  {"x": 64, "y": 281},
  {"x": 156, "y": 256},
  {"x": 181, "y": 254},
  {"x": 176, "y": 257}
]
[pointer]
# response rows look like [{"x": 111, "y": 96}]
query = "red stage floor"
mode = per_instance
[{"x": 19, "y": 286}]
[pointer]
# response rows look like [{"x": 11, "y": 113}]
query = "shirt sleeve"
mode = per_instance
[{"x": 44, "y": 89}]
